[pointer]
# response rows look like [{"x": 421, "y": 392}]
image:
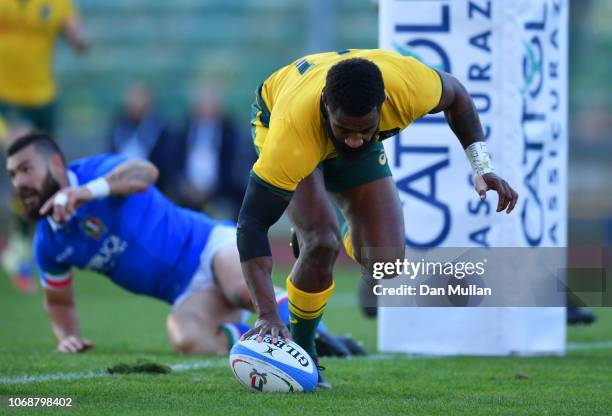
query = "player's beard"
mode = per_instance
[
  {"x": 345, "y": 151},
  {"x": 48, "y": 188}
]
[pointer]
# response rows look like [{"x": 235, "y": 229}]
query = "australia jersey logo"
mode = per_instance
[{"x": 93, "y": 227}]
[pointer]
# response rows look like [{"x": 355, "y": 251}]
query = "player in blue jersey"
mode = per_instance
[{"x": 102, "y": 213}]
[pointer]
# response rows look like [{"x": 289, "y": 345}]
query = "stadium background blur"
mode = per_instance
[{"x": 174, "y": 47}]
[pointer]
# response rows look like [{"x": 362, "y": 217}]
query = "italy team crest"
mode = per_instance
[{"x": 93, "y": 227}]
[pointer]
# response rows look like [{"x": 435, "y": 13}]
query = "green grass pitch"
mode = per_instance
[{"x": 126, "y": 328}]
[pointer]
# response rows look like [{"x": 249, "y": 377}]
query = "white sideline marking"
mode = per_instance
[
  {"x": 27, "y": 379},
  {"x": 198, "y": 364},
  {"x": 41, "y": 378},
  {"x": 585, "y": 346}
]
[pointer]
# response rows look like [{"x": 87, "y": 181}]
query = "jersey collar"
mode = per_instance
[{"x": 72, "y": 179}]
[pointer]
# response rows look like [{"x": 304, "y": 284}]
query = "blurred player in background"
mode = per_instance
[
  {"x": 213, "y": 155},
  {"x": 28, "y": 33},
  {"x": 102, "y": 213},
  {"x": 16, "y": 259},
  {"x": 140, "y": 132},
  {"x": 332, "y": 110}
]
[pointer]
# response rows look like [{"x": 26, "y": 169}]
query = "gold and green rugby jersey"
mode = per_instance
[
  {"x": 289, "y": 132},
  {"x": 28, "y": 30}
]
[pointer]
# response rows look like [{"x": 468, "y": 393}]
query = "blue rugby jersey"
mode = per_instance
[{"x": 142, "y": 242}]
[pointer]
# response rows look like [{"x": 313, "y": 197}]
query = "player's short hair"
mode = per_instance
[
  {"x": 43, "y": 142},
  {"x": 355, "y": 86}
]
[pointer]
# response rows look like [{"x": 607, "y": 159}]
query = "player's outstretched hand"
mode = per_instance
[
  {"x": 268, "y": 325},
  {"x": 62, "y": 205},
  {"x": 74, "y": 344},
  {"x": 490, "y": 181}
]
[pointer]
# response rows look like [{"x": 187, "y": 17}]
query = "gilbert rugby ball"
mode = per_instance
[{"x": 265, "y": 367}]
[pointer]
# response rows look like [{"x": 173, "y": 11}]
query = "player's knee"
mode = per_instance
[
  {"x": 321, "y": 246},
  {"x": 181, "y": 338},
  {"x": 184, "y": 344},
  {"x": 191, "y": 339},
  {"x": 203, "y": 344}
]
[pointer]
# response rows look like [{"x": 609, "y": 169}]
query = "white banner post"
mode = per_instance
[{"x": 512, "y": 57}]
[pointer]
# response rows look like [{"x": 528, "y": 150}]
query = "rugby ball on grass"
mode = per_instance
[{"x": 266, "y": 367}]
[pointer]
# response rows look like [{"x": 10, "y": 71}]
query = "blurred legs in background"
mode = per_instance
[
  {"x": 576, "y": 315},
  {"x": 17, "y": 259}
]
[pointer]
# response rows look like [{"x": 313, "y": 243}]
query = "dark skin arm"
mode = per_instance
[
  {"x": 258, "y": 272},
  {"x": 463, "y": 120},
  {"x": 261, "y": 208}
]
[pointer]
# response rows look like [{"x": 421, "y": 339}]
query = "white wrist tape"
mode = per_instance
[
  {"x": 60, "y": 199},
  {"x": 99, "y": 188},
  {"x": 479, "y": 158}
]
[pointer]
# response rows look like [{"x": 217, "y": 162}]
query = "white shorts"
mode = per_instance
[{"x": 221, "y": 236}]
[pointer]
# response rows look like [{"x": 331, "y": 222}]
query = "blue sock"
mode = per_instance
[
  {"x": 282, "y": 302},
  {"x": 233, "y": 331}
]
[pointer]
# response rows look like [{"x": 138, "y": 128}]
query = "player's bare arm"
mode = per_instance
[
  {"x": 131, "y": 177},
  {"x": 74, "y": 33},
  {"x": 463, "y": 119},
  {"x": 126, "y": 179},
  {"x": 64, "y": 318},
  {"x": 261, "y": 208}
]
